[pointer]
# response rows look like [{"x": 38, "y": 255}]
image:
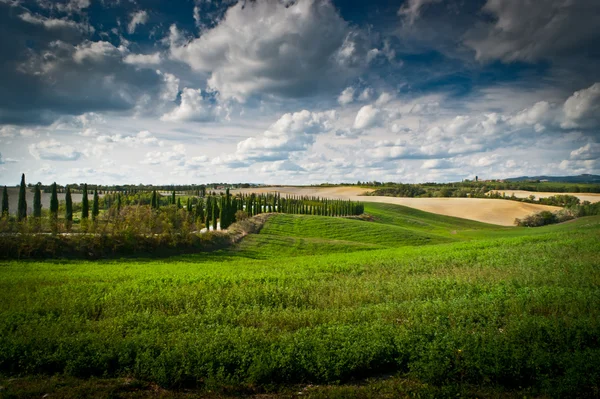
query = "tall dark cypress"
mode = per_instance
[
  {"x": 68, "y": 206},
  {"x": 215, "y": 215},
  {"x": 173, "y": 198},
  {"x": 37, "y": 202},
  {"x": 85, "y": 205},
  {"x": 54, "y": 202},
  {"x": 95, "y": 206},
  {"x": 5, "y": 202},
  {"x": 208, "y": 213},
  {"x": 22, "y": 205},
  {"x": 200, "y": 210},
  {"x": 178, "y": 203}
]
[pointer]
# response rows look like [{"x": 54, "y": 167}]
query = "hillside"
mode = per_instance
[
  {"x": 442, "y": 305},
  {"x": 584, "y": 179}
]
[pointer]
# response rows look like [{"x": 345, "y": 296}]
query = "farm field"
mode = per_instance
[
  {"x": 494, "y": 211},
  {"x": 591, "y": 197},
  {"x": 408, "y": 303}
]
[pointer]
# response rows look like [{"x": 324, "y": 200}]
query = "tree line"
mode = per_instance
[{"x": 154, "y": 213}]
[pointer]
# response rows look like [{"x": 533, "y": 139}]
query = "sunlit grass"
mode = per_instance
[{"x": 323, "y": 300}]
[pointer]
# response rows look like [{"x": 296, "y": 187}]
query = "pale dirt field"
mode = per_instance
[
  {"x": 591, "y": 197},
  {"x": 494, "y": 211}
]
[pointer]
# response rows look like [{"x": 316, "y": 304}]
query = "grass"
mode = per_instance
[{"x": 446, "y": 307}]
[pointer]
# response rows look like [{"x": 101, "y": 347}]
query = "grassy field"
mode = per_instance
[{"x": 407, "y": 304}]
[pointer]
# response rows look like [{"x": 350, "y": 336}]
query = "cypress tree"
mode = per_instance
[
  {"x": 85, "y": 206},
  {"x": 118, "y": 202},
  {"x": 22, "y": 205},
  {"x": 188, "y": 206},
  {"x": 200, "y": 211},
  {"x": 5, "y": 202},
  {"x": 208, "y": 213},
  {"x": 95, "y": 206},
  {"x": 215, "y": 209},
  {"x": 68, "y": 205},
  {"x": 54, "y": 202},
  {"x": 178, "y": 203},
  {"x": 173, "y": 198},
  {"x": 37, "y": 202}
]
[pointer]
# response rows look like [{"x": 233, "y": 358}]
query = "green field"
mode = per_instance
[{"x": 405, "y": 304}]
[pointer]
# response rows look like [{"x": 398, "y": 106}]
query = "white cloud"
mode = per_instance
[
  {"x": 29, "y": 133},
  {"x": 268, "y": 47},
  {"x": 291, "y": 133},
  {"x": 590, "y": 151},
  {"x": 141, "y": 138},
  {"x": 171, "y": 86},
  {"x": 366, "y": 94},
  {"x": 55, "y": 23},
  {"x": 583, "y": 108},
  {"x": 383, "y": 99},
  {"x": 54, "y": 151},
  {"x": 96, "y": 51},
  {"x": 411, "y": 10},
  {"x": 347, "y": 96},
  {"x": 142, "y": 59},
  {"x": 194, "y": 107},
  {"x": 89, "y": 132},
  {"x": 367, "y": 117},
  {"x": 137, "y": 18},
  {"x": 437, "y": 164},
  {"x": 537, "y": 116}
]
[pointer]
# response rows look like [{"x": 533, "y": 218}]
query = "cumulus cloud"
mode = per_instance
[
  {"x": 537, "y": 116},
  {"x": 534, "y": 30},
  {"x": 590, "y": 151},
  {"x": 367, "y": 117},
  {"x": 194, "y": 107},
  {"x": 53, "y": 150},
  {"x": 293, "y": 132},
  {"x": 583, "y": 108},
  {"x": 285, "y": 49},
  {"x": 347, "y": 96},
  {"x": 137, "y": 18}
]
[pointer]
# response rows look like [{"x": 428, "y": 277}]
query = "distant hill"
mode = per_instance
[{"x": 560, "y": 179}]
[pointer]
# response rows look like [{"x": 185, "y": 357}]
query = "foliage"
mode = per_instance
[
  {"x": 37, "y": 202},
  {"x": 505, "y": 308},
  {"x": 5, "y": 202},
  {"x": 22, "y": 204},
  {"x": 85, "y": 207}
]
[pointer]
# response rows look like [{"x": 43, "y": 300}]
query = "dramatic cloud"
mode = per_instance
[
  {"x": 583, "y": 108},
  {"x": 286, "y": 49},
  {"x": 534, "y": 30}
]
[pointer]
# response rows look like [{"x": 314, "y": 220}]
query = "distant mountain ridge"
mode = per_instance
[{"x": 585, "y": 178}]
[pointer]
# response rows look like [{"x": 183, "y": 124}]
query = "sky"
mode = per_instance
[{"x": 297, "y": 92}]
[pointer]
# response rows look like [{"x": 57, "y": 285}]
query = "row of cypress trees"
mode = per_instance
[
  {"x": 37, "y": 203},
  {"x": 210, "y": 211}
]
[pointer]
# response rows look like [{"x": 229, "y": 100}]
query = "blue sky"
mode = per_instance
[{"x": 297, "y": 92}]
